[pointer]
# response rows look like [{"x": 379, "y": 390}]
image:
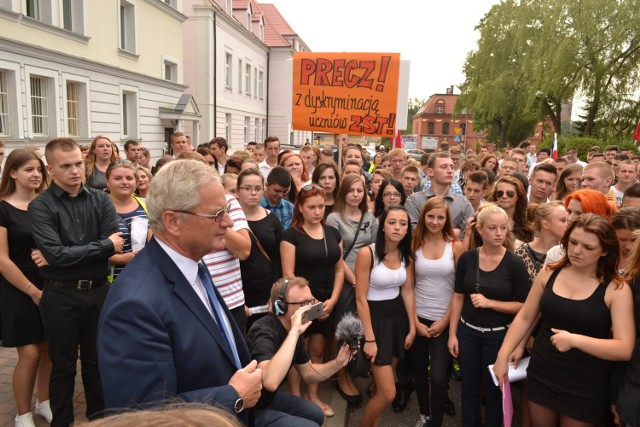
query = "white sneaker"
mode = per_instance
[
  {"x": 24, "y": 420},
  {"x": 423, "y": 421},
  {"x": 44, "y": 410}
]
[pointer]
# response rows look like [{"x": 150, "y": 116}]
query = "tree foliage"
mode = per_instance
[
  {"x": 535, "y": 55},
  {"x": 414, "y": 105}
]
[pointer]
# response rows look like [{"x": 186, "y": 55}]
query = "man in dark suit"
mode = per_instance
[{"x": 164, "y": 331}]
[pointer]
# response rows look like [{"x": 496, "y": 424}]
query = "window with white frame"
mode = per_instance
[
  {"x": 229, "y": 7},
  {"x": 129, "y": 114},
  {"x": 127, "y": 26},
  {"x": 40, "y": 10},
  {"x": 73, "y": 15},
  {"x": 228, "y": 69},
  {"x": 32, "y": 9},
  {"x": 73, "y": 108},
  {"x": 247, "y": 77},
  {"x": 261, "y": 84},
  {"x": 261, "y": 33},
  {"x": 246, "y": 130},
  {"x": 227, "y": 127},
  {"x": 258, "y": 135},
  {"x": 172, "y": 3},
  {"x": 39, "y": 105},
  {"x": 255, "y": 82},
  {"x": 240, "y": 76},
  {"x": 170, "y": 70},
  {"x": 5, "y": 118}
]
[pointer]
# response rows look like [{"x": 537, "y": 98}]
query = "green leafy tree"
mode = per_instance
[
  {"x": 415, "y": 104},
  {"x": 535, "y": 55},
  {"x": 494, "y": 88}
]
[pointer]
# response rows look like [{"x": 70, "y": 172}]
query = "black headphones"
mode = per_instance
[{"x": 279, "y": 305}]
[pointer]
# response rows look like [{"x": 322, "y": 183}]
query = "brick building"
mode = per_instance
[{"x": 436, "y": 123}]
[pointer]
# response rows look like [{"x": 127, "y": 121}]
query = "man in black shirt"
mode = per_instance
[
  {"x": 75, "y": 228},
  {"x": 276, "y": 342}
]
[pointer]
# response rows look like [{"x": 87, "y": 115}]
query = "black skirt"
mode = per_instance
[
  {"x": 21, "y": 321},
  {"x": 390, "y": 325}
]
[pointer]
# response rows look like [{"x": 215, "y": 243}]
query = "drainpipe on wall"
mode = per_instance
[
  {"x": 215, "y": 76},
  {"x": 267, "y": 125}
]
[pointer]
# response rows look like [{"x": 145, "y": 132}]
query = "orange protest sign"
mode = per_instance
[{"x": 352, "y": 93}]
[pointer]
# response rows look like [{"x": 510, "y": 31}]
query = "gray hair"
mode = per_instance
[{"x": 177, "y": 187}]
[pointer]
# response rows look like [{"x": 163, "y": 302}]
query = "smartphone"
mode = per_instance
[{"x": 314, "y": 312}]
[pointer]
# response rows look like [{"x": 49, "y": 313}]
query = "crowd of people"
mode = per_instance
[{"x": 214, "y": 277}]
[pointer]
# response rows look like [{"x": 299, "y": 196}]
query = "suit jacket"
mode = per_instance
[{"x": 157, "y": 340}]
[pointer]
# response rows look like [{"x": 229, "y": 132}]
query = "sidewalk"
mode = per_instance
[{"x": 8, "y": 360}]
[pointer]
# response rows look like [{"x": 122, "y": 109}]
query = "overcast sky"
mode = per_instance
[{"x": 434, "y": 35}]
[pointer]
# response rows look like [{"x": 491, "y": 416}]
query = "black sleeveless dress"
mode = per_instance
[
  {"x": 573, "y": 383},
  {"x": 21, "y": 322}
]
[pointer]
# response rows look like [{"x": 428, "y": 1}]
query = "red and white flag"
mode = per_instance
[
  {"x": 396, "y": 141},
  {"x": 554, "y": 152},
  {"x": 636, "y": 134}
]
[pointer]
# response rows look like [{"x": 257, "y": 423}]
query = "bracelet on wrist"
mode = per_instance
[
  {"x": 366, "y": 341},
  {"x": 27, "y": 287}
]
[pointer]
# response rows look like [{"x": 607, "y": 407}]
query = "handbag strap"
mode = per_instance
[
  {"x": 355, "y": 238},
  {"x": 478, "y": 271},
  {"x": 262, "y": 251}
]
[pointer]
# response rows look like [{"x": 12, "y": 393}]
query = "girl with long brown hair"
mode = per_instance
[
  {"x": 436, "y": 252},
  {"x": 313, "y": 250},
  {"x": 23, "y": 178},
  {"x": 587, "y": 322},
  {"x": 101, "y": 154}
]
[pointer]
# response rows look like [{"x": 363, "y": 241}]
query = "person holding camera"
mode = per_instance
[{"x": 276, "y": 342}]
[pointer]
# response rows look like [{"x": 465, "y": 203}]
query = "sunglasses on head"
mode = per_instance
[
  {"x": 310, "y": 187},
  {"x": 510, "y": 193}
]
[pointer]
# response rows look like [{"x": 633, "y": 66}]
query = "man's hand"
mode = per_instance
[
  {"x": 38, "y": 258},
  {"x": 297, "y": 325},
  {"x": 345, "y": 354},
  {"x": 248, "y": 383},
  {"x": 118, "y": 242}
]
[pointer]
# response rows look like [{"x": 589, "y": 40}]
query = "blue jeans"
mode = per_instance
[
  {"x": 478, "y": 350},
  {"x": 287, "y": 410}
]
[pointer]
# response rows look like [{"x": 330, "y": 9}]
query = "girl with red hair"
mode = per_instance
[{"x": 295, "y": 164}]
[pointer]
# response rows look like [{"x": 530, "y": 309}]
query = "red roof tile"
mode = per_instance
[
  {"x": 273, "y": 15},
  {"x": 431, "y": 105},
  {"x": 241, "y": 4}
]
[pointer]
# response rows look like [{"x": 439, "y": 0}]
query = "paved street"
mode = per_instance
[
  {"x": 345, "y": 416},
  {"x": 8, "y": 359}
]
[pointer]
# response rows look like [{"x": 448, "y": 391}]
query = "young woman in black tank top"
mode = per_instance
[{"x": 587, "y": 321}]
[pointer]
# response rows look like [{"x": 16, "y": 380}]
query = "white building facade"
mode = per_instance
[
  {"x": 225, "y": 70},
  {"x": 80, "y": 68},
  {"x": 238, "y": 66}
]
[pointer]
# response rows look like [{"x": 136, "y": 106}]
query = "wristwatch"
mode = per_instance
[{"x": 239, "y": 405}]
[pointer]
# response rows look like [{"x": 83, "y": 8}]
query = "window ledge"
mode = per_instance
[
  {"x": 128, "y": 55},
  {"x": 168, "y": 10},
  {"x": 34, "y": 23},
  {"x": 9, "y": 14}
]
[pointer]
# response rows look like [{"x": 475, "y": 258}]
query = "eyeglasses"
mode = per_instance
[
  {"x": 214, "y": 216},
  {"x": 303, "y": 303},
  {"x": 119, "y": 162},
  {"x": 250, "y": 189},
  {"x": 391, "y": 195},
  {"x": 310, "y": 187},
  {"x": 510, "y": 193}
]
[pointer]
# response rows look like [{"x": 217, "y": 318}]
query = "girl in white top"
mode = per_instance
[
  {"x": 436, "y": 251},
  {"x": 386, "y": 305}
]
